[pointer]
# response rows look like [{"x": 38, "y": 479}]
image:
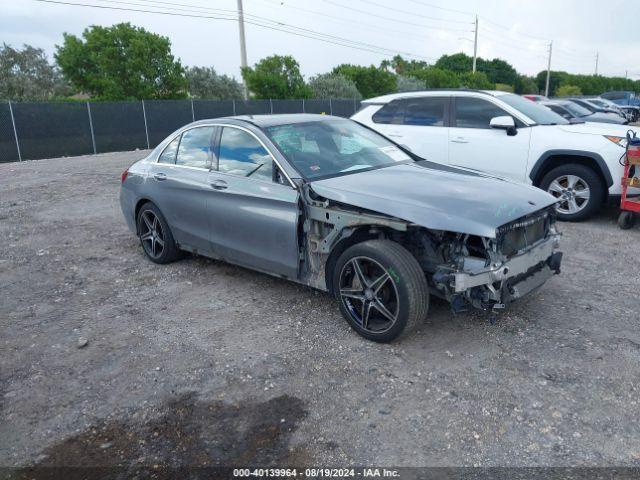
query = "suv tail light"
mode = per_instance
[{"x": 124, "y": 175}]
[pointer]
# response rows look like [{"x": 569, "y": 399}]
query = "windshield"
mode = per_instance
[
  {"x": 328, "y": 148},
  {"x": 539, "y": 114},
  {"x": 576, "y": 110},
  {"x": 597, "y": 102}
]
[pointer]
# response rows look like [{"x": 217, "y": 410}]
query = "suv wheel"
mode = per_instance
[
  {"x": 381, "y": 289},
  {"x": 578, "y": 189}
]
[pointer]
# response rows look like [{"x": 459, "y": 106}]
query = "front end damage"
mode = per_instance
[
  {"x": 466, "y": 270},
  {"x": 488, "y": 273}
]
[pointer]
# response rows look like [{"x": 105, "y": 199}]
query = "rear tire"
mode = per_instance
[
  {"x": 394, "y": 298},
  {"x": 155, "y": 235},
  {"x": 578, "y": 188}
]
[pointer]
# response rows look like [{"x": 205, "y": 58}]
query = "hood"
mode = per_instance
[
  {"x": 594, "y": 128},
  {"x": 437, "y": 197},
  {"x": 605, "y": 118}
]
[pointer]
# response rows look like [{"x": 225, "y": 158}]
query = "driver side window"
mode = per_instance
[
  {"x": 471, "y": 112},
  {"x": 243, "y": 155}
]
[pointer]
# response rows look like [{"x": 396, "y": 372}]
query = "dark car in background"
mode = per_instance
[
  {"x": 577, "y": 113},
  {"x": 631, "y": 112},
  {"x": 593, "y": 107}
]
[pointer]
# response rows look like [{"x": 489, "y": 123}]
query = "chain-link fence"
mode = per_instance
[{"x": 30, "y": 131}]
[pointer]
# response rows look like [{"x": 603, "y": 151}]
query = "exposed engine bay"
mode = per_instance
[{"x": 466, "y": 270}]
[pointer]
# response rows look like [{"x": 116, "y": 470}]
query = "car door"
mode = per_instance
[
  {"x": 180, "y": 186},
  {"x": 254, "y": 208},
  {"x": 474, "y": 144},
  {"x": 420, "y": 123}
]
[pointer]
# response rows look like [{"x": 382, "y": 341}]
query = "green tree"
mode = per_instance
[
  {"x": 568, "y": 91},
  {"x": 458, "y": 63},
  {"x": 276, "y": 77},
  {"x": 403, "y": 67},
  {"x": 437, "y": 78},
  {"x": 503, "y": 87},
  {"x": 555, "y": 79},
  {"x": 204, "y": 82},
  {"x": 332, "y": 85},
  {"x": 525, "y": 84},
  {"x": 496, "y": 70},
  {"x": 410, "y": 84},
  {"x": 371, "y": 81},
  {"x": 26, "y": 74},
  {"x": 121, "y": 62},
  {"x": 476, "y": 80}
]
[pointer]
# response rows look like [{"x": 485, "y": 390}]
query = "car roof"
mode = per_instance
[
  {"x": 427, "y": 93},
  {"x": 263, "y": 121}
]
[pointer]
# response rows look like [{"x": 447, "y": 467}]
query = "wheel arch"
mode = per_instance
[
  {"x": 554, "y": 158},
  {"x": 361, "y": 234},
  {"x": 136, "y": 210}
]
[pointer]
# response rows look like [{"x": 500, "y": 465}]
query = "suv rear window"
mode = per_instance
[
  {"x": 423, "y": 111},
  {"x": 389, "y": 113}
]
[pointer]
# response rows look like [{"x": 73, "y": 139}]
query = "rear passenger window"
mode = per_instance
[
  {"x": 426, "y": 111},
  {"x": 389, "y": 113},
  {"x": 169, "y": 153},
  {"x": 196, "y": 148},
  {"x": 476, "y": 112}
]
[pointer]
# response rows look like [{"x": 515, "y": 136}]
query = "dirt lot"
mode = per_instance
[{"x": 200, "y": 362}]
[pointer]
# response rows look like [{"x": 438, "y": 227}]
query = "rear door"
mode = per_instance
[
  {"x": 420, "y": 123},
  {"x": 253, "y": 208},
  {"x": 474, "y": 144},
  {"x": 180, "y": 186}
]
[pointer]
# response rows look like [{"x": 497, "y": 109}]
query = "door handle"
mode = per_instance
[
  {"x": 160, "y": 176},
  {"x": 459, "y": 140},
  {"x": 394, "y": 135},
  {"x": 219, "y": 185}
]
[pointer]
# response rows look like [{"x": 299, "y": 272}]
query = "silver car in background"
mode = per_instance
[{"x": 329, "y": 203}]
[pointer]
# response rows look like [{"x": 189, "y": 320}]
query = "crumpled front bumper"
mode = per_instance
[{"x": 507, "y": 281}]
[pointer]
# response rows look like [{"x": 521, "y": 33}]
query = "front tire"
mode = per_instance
[
  {"x": 155, "y": 235},
  {"x": 382, "y": 291},
  {"x": 578, "y": 188}
]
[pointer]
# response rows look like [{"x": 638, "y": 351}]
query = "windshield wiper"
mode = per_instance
[{"x": 254, "y": 170}]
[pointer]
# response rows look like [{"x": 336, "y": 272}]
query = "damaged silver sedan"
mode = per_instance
[{"x": 329, "y": 203}]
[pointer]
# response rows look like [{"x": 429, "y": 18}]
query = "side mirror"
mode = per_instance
[{"x": 504, "y": 123}]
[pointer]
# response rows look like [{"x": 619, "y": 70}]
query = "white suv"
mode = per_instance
[{"x": 507, "y": 136}]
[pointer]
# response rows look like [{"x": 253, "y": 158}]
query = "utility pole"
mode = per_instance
[
  {"x": 597, "y": 55},
  {"x": 475, "y": 46},
  {"x": 546, "y": 88},
  {"x": 243, "y": 46}
]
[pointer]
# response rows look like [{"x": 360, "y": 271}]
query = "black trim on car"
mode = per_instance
[{"x": 604, "y": 169}]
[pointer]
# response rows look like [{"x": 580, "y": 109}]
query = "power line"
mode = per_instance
[
  {"x": 414, "y": 14},
  {"x": 441, "y": 8},
  {"x": 259, "y": 19},
  {"x": 351, "y": 22},
  {"x": 389, "y": 19},
  {"x": 281, "y": 27}
]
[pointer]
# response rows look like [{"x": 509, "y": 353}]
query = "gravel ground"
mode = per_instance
[{"x": 108, "y": 358}]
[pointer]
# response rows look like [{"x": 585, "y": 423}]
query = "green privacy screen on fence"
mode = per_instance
[{"x": 57, "y": 129}]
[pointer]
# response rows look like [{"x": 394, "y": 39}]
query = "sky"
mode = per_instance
[{"x": 205, "y": 33}]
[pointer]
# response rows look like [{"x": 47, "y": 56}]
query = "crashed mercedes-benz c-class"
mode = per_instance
[{"x": 331, "y": 204}]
